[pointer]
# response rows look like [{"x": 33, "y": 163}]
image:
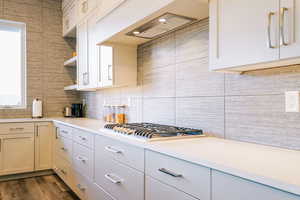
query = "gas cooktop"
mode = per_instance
[{"x": 149, "y": 131}]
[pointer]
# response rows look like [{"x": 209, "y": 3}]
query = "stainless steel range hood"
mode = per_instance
[
  {"x": 176, "y": 14},
  {"x": 161, "y": 25}
]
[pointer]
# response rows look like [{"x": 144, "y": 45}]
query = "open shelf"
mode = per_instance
[
  {"x": 71, "y": 87},
  {"x": 71, "y": 62}
]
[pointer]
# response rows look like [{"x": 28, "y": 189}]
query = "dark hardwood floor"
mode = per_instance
[{"x": 37, "y": 188}]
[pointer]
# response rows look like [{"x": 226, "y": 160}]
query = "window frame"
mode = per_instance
[{"x": 23, "y": 85}]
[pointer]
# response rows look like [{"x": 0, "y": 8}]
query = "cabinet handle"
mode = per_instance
[
  {"x": 81, "y": 187},
  {"x": 64, "y": 149},
  {"x": 82, "y": 138},
  {"x": 84, "y": 6},
  {"x": 56, "y": 133},
  {"x": 16, "y": 129},
  {"x": 165, "y": 171},
  {"x": 113, "y": 150},
  {"x": 111, "y": 179},
  {"x": 81, "y": 159},
  {"x": 109, "y": 73},
  {"x": 283, "y": 11},
  {"x": 66, "y": 132},
  {"x": 270, "y": 15},
  {"x": 85, "y": 77}
]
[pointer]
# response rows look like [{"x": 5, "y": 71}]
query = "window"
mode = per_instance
[{"x": 12, "y": 64}]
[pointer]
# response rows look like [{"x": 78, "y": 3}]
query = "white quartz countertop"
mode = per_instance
[{"x": 278, "y": 168}]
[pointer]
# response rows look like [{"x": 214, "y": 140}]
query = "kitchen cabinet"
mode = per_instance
[
  {"x": 69, "y": 19},
  {"x": 268, "y": 38},
  {"x": 225, "y": 186},
  {"x": 43, "y": 146},
  {"x": 156, "y": 190},
  {"x": 17, "y": 153},
  {"x": 107, "y": 6},
  {"x": 118, "y": 65},
  {"x": 82, "y": 48},
  {"x": 85, "y": 7}
]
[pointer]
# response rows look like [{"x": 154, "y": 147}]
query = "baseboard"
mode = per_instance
[{"x": 26, "y": 175}]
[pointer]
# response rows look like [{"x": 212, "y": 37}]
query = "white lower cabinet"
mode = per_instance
[
  {"x": 228, "y": 187},
  {"x": 97, "y": 193},
  {"x": 122, "y": 182},
  {"x": 156, "y": 190}
]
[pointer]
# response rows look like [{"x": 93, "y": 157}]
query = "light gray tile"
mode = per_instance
[
  {"x": 159, "y": 110},
  {"x": 159, "y": 82},
  {"x": 206, "y": 113},
  {"x": 270, "y": 81},
  {"x": 159, "y": 53},
  {"x": 192, "y": 42},
  {"x": 262, "y": 119},
  {"x": 194, "y": 79},
  {"x": 1, "y": 8}
]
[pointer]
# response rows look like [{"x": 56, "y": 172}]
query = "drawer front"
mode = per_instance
[
  {"x": 97, "y": 193},
  {"x": 190, "y": 178},
  {"x": 120, "y": 181},
  {"x": 84, "y": 138},
  {"x": 224, "y": 186},
  {"x": 64, "y": 131},
  {"x": 62, "y": 169},
  {"x": 83, "y": 160},
  {"x": 64, "y": 148},
  {"x": 80, "y": 185},
  {"x": 106, "y": 148},
  {"x": 157, "y": 190},
  {"x": 15, "y": 128}
]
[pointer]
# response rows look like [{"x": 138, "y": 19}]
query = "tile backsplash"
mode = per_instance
[
  {"x": 175, "y": 87},
  {"x": 46, "y": 53}
]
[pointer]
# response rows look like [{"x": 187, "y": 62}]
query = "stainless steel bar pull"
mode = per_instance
[
  {"x": 270, "y": 16},
  {"x": 163, "y": 170},
  {"x": 283, "y": 12}
]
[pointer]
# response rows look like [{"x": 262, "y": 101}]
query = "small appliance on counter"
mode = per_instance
[
  {"x": 67, "y": 111},
  {"x": 37, "y": 108},
  {"x": 77, "y": 110}
]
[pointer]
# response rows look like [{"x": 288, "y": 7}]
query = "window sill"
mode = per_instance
[{"x": 13, "y": 107}]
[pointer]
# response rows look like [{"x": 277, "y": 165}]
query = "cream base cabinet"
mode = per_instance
[
  {"x": 43, "y": 146},
  {"x": 17, "y": 153},
  {"x": 227, "y": 187}
]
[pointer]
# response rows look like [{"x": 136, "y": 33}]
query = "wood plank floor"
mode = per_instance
[{"x": 37, "y": 188}]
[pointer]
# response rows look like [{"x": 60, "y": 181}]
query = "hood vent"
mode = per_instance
[{"x": 161, "y": 25}]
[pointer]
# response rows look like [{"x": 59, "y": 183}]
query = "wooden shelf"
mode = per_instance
[
  {"x": 70, "y": 88},
  {"x": 71, "y": 62}
]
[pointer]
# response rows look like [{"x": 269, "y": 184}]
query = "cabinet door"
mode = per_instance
[
  {"x": 17, "y": 153},
  {"x": 229, "y": 187},
  {"x": 243, "y": 32},
  {"x": 156, "y": 190},
  {"x": 43, "y": 146},
  {"x": 107, "y": 6},
  {"x": 93, "y": 56},
  {"x": 290, "y": 29},
  {"x": 106, "y": 63},
  {"x": 83, "y": 69}
]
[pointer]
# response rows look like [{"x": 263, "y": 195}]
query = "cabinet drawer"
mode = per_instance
[
  {"x": 80, "y": 185},
  {"x": 62, "y": 169},
  {"x": 157, "y": 190},
  {"x": 15, "y": 128},
  {"x": 63, "y": 148},
  {"x": 120, "y": 181},
  {"x": 64, "y": 131},
  {"x": 190, "y": 178},
  {"x": 224, "y": 186},
  {"x": 83, "y": 160},
  {"x": 106, "y": 148},
  {"x": 84, "y": 138},
  {"x": 98, "y": 193}
]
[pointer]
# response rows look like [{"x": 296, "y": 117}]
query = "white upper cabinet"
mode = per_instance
[
  {"x": 70, "y": 16},
  {"x": 107, "y": 6},
  {"x": 253, "y": 34},
  {"x": 290, "y": 29},
  {"x": 85, "y": 7}
]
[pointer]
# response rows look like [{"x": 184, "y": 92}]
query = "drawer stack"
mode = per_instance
[{"x": 119, "y": 169}]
